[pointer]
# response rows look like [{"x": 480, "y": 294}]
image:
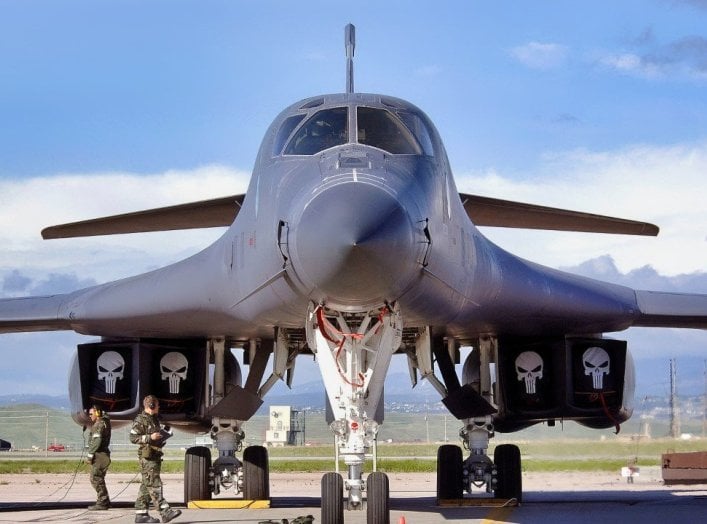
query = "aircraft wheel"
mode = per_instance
[
  {"x": 332, "y": 499},
  {"x": 449, "y": 472},
  {"x": 378, "y": 503},
  {"x": 197, "y": 466},
  {"x": 506, "y": 457},
  {"x": 256, "y": 473}
]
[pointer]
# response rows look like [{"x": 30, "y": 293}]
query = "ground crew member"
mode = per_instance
[
  {"x": 148, "y": 433},
  {"x": 99, "y": 456}
]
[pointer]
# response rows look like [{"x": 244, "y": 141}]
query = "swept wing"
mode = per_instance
[
  {"x": 221, "y": 212},
  {"x": 217, "y": 212}
]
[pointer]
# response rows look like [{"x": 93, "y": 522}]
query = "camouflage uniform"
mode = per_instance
[
  {"x": 150, "y": 456},
  {"x": 99, "y": 457}
]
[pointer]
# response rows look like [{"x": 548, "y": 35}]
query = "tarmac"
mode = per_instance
[{"x": 548, "y": 497}]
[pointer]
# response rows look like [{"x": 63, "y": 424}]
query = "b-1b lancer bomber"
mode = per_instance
[{"x": 352, "y": 243}]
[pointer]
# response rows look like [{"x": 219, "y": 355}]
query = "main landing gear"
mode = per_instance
[
  {"x": 456, "y": 475},
  {"x": 249, "y": 477},
  {"x": 473, "y": 403}
]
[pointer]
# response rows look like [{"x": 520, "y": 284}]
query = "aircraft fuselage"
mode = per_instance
[{"x": 353, "y": 226}]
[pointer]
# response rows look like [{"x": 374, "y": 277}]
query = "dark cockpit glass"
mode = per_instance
[
  {"x": 285, "y": 131},
  {"x": 419, "y": 129},
  {"x": 325, "y": 129},
  {"x": 396, "y": 132},
  {"x": 381, "y": 129}
]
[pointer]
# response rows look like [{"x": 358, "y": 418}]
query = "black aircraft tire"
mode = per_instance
[
  {"x": 197, "y": 465},
  {"x": 449, "y": 472},
  {"x": 378, "y": 503},
  {"x": 506, "y": 457},
  {"x": 332, "y": 499},
  {"x": 256, "y": 474}
]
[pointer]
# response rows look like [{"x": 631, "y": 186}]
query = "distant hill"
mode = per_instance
[
  {"x": 46, "y": 401},
  {"x": 28, "y": 424},
  {"x": 399, "y": 395},
  {"x": 652, "y": 376}
]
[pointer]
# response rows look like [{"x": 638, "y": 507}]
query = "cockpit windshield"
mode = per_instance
[
  {"x": 327, "y": 128},
  {"x": 379, "y": 128},
  {"x": 397, "y": 133}
]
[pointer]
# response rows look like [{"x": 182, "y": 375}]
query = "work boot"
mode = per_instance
[
  {"x": 170, "y": 514},
  {"x": 98, "y": 507},
  {"x": 145, "y": 517}
]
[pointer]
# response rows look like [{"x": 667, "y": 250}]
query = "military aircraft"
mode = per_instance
[{"x": 352, "y": 243}]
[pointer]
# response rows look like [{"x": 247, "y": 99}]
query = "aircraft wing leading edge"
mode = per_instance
[
  {"x": 217, "y": 212},
  {"x": 485, "y": 211},
  {"x": 221, "y": 212}
]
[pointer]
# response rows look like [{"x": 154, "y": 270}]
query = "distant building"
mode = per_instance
[{"x": 286, "y": 427}]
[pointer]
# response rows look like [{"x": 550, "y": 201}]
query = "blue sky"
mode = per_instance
[
  {"x": 151, "y": 86},
  {"x": 108, "y": 107}
]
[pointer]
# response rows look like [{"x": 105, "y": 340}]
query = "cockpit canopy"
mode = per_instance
[
  {"x": 326, "y": 128},
  {"x": 395, "y": 132}
]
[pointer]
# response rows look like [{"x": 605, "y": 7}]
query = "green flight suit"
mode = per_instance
[
  {"x": 150, "y": 456},
  {"x": 99, "y": 457}
]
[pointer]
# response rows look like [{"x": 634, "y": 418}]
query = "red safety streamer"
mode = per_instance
[{"x": 324, "y": 327}]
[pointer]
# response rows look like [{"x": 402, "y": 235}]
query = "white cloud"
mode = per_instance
[
  {"x": 627, "y": 62},
  {"x": 662, "y": 185},
  {"x": 28, "y": 205},
  {"x": 78, "y": 196},
  {"x": 538, "y": 55},
  {"x": 632, "y": 64},
  {"x": 681, "y": 58}
]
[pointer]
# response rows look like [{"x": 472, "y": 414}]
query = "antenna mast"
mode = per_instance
[
  {"x": 674, "y": 410},
  {"x": 350, "y": 42}
]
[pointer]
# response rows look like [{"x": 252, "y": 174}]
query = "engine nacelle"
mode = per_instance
[
  {"x": 588, "y": 380},
  {"x": 118, "y": 374}
]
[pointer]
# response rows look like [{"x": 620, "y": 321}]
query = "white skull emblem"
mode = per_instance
[
  {"x": 596, "y": 363},
  {"x": 529, "y": 367},
  {"x": 174, "y": 367},
  {"x": 110, "y": 366}
]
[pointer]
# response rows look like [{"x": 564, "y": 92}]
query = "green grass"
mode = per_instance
[
  {"x": 314, "y": 466},
  {"x": 566, "y": 447},
  {"x": 35, "y": 466},
  {"x": 539, "y": 456}
]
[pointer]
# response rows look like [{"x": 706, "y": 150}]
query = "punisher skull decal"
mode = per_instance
[
  {"x": 596, "y": 363},
  {"x": 529, "y": 367},
  {"x": 174, "y": 367},
  {"x": 110, "y": 366}
]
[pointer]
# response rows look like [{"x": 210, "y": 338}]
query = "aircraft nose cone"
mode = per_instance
[{"x": 355, "y": 246}]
